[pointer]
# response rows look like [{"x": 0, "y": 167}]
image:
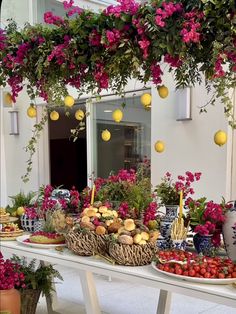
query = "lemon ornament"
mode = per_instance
[
  {"x": 54, "y": 115},
  {"x": 159, "y": 146},
  {"x": 117, "y": 115},
  {"x": 69, "y": 101},
  {"x": 146, "y": 100},
  {"x": 106, "y": 135},
  {"x": 79, "y": 115},
  {"x": 8, "y": 99},
  {"x": 31, "y": 111},
  {"x": 220, "y": 138},
  {"x": 163, "y": 91}
]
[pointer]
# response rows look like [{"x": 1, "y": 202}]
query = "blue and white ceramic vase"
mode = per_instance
[
  {"x": 179, "y": 244},
  {"x": 171, "y": 211},
  {"x": 31, "y": 225},
  {"x": 202, "y": 244},
  {"x": 229, "y": 232}
]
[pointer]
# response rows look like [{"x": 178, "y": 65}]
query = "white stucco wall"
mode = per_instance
[{"x": 189, "y": 144}]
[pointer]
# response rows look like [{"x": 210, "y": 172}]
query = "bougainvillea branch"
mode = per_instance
[{"x": 93, "y": 51}]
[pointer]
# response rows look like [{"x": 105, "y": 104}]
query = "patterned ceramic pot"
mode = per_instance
[
  {"x": 229, "y": 232},
  {"x": 203, "y": 244},
  {"x": 31, "y": 225},
  {"x": 179, "y": 244},
  {"x": 162, "y": 243},
  {"x": 165, "y": 227},
  {"x": 171, "y": 211}
]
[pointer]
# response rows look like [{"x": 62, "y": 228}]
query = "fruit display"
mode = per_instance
[
  {"x": 192, "y": 265},
  {"x": 10, "y": 231},
  {"x": 89, "y": 234},
  {"x": 133, "y": 232},
  {"x": 42, "y": 237},
  {"x": 134, "y": 244},
  {"x": 4, "y": 216}
]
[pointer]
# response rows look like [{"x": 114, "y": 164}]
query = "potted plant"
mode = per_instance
[
  {"x": 168, "y": 191},
  {"x": 206, "y": 219},
  {"x": 11, "y": 279},
  {"x": 37, "y": 279}
]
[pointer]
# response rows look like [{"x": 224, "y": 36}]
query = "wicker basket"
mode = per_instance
[
  {"x": 86, "y": 243},
  {"x": 29, "y": 301},
  {"x": 132, "y": 255}
]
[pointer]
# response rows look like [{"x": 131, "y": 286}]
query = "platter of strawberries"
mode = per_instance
[{"x": 195, "y": 268}]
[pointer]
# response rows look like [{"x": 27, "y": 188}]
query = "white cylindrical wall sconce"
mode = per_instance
[{"x": 14, "y": 122}]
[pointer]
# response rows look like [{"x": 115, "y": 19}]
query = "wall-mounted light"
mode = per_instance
[
  {"x": 183, "y": 104},
  {"x": 14, "y": 122}
]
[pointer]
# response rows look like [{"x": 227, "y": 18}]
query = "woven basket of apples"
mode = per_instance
[
  {"x": 134, "y": 244},
  {"x": 90, "y": 234}
]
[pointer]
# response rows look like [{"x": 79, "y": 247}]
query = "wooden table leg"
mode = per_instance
[
  {"x": 164, "y": 302},
  {"x": 89, "y": 293}
]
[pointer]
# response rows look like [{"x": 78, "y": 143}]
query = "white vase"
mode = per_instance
[{"x": 229, "y": 233}]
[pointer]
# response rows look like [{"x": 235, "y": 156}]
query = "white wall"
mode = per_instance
[{"x": 189, "y": 144}]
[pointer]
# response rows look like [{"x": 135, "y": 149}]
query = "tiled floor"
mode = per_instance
[{"x": 119, "y": 297}]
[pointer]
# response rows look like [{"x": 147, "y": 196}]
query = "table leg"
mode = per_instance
[
  {"x": 164, "y": 302},
  {"x": 89, "y": 293},
  {"x": 51, "y": 300}
]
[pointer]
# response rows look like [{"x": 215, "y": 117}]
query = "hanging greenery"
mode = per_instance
[{"x": 95, "y": 51}]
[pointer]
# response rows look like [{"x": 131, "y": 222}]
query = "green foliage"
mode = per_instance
[
  {"x": 167, "y": 193},
  {"x": 196, "y": 211},
  {"x": 21, "y": 199},
  {"x": 37, "y": 277}
]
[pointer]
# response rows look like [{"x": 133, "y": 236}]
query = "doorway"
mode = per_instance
[{"x": 68, "y": 158}]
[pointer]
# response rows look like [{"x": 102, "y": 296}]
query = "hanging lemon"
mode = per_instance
[
  {"x": 106, "y": 135},
  {"x": 69, "y": 101},
  {"x": 220, "y": 138},
  {"x": 79, "y": 115},
  {"x": 163, "y": 91},
  {"x": 54, "y": 115},
  {"x": 8, "y": 99},
  {"x": 146, "y": 99},
  {"x": 159, "y": 146},
  {"x": 31, "y": 111},
  {"x": 117, "y": 115}
]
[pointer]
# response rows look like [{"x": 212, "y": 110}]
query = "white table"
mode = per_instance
[{"x": 145, "y": 275}]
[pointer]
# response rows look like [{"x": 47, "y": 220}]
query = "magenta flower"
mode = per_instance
[
  {"x": 156, "y": 73},
  {"x": 68, "y": 4},
  {"x": 175, "y": 62}
]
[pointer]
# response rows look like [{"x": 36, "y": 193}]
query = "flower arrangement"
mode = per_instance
[
  {"x": 129, "y": 191},
  {"x": 21, "y": 202},
  {"x": 36, "y": 277},
  {"x": 11, "y": 275},
  {"x": 47, "y": 201},
  {"x": 168, "y": 190},
  {"x": 206, "y": 217},
  {"x": 88, "y": 50}
]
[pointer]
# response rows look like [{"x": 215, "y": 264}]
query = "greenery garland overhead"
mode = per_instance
[{"x": 93, "y": 51}]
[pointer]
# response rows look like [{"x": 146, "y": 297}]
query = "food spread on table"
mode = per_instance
[
  {"x": 10, "y": 231},
  {"x": 4, "y": 216},
  {"x": 190, "y": 264}
]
